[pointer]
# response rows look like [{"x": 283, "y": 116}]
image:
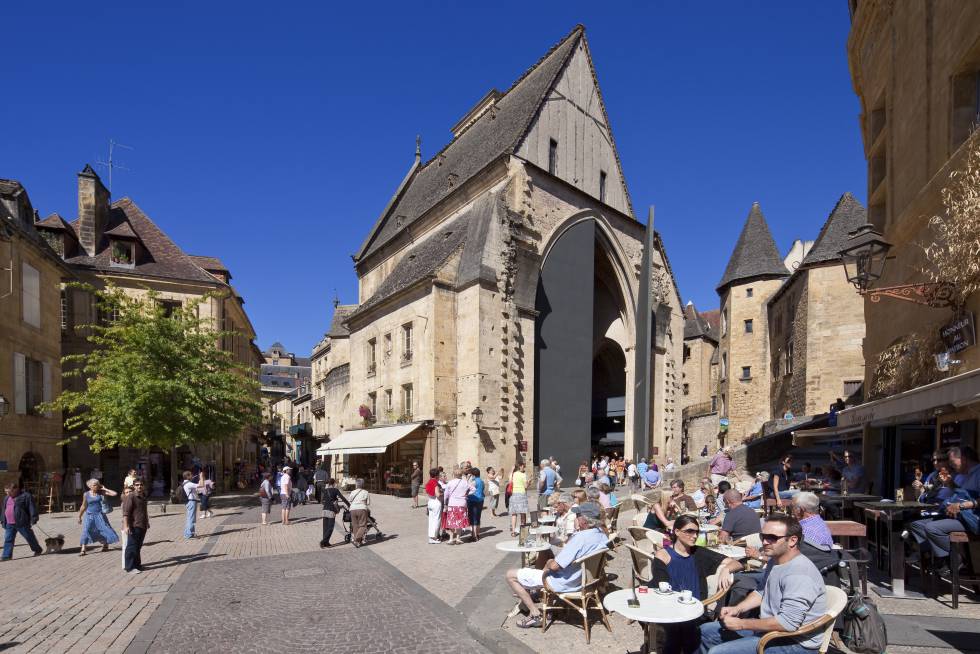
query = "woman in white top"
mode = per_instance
[
  {"x": 493, "y": 488},
  {"x": 359, "y": 500}
]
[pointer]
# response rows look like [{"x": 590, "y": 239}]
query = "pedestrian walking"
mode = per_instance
[
  {"x": 332, "y": 499},
  {"x": 286, "y": 493},
  {"x": 434, "y": 506},
  {"x": 191, "y": 490},
  {"x": 474, "y": 503},
  {"x": 266, "y": 493},
  {"x": 493, "y": 490},
  {"x": 518, "y": 498},
  {"x": 18, "y": 516},
  {"x": 456, "y": 519},
  {"x": 136, "y": 520},
  {"x": 93, "y": 517},
  {"x": 319, "y": 482},
  {"x": 207, "y": 487},
  {"x": 123, "y": 536},
  {"x": 300, "y": 486},
  {"x": 416, "y": 483},
  {"x": 359, "y": 502}
]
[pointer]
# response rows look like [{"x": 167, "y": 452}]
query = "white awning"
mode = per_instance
[
  {"x": 373, "y": 440},
  {"x": 803, "y": 437},
  {"x": 916, "y": 404}
]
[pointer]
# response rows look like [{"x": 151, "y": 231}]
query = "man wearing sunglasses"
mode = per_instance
[
  {"x": 136, "y": 521},
  {"x": 790, "y": 593}
]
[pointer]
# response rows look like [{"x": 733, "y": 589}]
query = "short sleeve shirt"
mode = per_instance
[
  {"x": 549, "y": 481},
  {"x": 519, "y": 481},
  {"x": 741, "y": 521},
  {"x": 569, "y": 578},
  {"x": 651, "y": 476},
  {"x": 191, "y": 489}
]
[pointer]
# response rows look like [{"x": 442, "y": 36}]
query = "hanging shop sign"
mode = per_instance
[
  {"x": 723, "y": 425},
  {"x": 959, "y": 334}
]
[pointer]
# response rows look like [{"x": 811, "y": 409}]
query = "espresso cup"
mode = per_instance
[
  {"x": 664, "y": 587},
  {"x": 686, "y": 595}
]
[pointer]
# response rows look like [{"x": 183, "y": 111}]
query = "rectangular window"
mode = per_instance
[
  {"x": 789, "y": 358},
  {"x": 687, "y": 352},
  {"x": 687, "y": 389},
  {"x": 553, "y": 156},
  {"x": 122, "y": 253},
  {"x": 748, "y": 292},
  {"x": 373, "y": 404},
  {"x": 853, "y": 391},
  {"x": 748, "y": 326},
  {"x": 372, "y": 354},
  {"x": 724, "y": 365},
  {"x": 407, "y": 407},
  {"x": 31, "y": 294},
  {"x": 714, "y": 402},
  {"x": 387, "y": 345},
  {"x": 602, "y": 186},
  {"x": 724, "y": 321},
  {"x": 746, "y": 372},
  {"x": 64, "y": 310},
  {"x": 724, "y": 406},
  {"x": 32, "y": 384},
  {"x": 389, "y": 403},
  {"x": 170, "y": 307},
  {"x": 407, "y": 335}
]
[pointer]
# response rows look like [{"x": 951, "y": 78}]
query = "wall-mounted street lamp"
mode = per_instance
[
  {"x": 477, "y": 416},
  {"x": 864, "y": 263}
]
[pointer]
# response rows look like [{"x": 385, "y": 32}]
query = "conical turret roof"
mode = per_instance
[
  {"x": 848, "y": 214},
  {"x": 755, "y": 253}
]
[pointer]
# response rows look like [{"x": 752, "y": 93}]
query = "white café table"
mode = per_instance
[
  {"x": 544, "y": 530},
  {"x": 731, "y": 551},
  {"x": 546, "y": 518},
  {"x": 655, "y": 608},
  {"x": 526, "y": 551},
  {"x": 705, "y": 528}
]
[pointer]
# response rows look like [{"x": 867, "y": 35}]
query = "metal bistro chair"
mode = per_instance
[
  {"x": 583, "y": 600},
  {"x": 836, "y": 601}
]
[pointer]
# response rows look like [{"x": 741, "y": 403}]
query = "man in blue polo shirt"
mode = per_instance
[
  {"x": 562, "y": 573},
  {"x": 651, "y": 478},
  {"x": 546, "y": 483}
]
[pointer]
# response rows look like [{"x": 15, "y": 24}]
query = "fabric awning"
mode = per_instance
[
  {"x": 803, "y": 437},
  {"x": 373, "y": 440},
  {"x": 918, "y": 403}
]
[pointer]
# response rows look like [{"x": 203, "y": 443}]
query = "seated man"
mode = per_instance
[
  {"x": 740, "y": 520},
  {"x": 753, "y": 497},
  {"x": 961, "y": 509},
  {"x": 562, "y": 572},
  {"x": 791, "y": 593},
  {"x": 680, "y": 502},
  {"x": 806, "y": 509}
]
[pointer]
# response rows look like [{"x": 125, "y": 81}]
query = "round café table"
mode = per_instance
[
  {"x": 655, "y": 608},
  {"x": 545, "y": 519},
  {"x": 544, "y": 530},
  {"x": 731, "y": 551}
]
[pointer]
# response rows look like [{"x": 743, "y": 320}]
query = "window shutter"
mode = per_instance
[
  {"x": 31, "y": 290},
  {"x": 20, "y": 384},
  {"x": 46, "y": 390}
]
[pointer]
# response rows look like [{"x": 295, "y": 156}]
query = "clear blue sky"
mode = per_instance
[{"x": 271, "y": 135}]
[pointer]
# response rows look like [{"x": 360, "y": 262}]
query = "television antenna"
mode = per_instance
[{"x": 110, "y": 164}]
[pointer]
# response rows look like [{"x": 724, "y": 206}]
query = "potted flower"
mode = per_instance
[{"x": 366, "y": 416}]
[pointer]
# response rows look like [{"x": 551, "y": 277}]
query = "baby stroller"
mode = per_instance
[{"x": 372, "y": 524}]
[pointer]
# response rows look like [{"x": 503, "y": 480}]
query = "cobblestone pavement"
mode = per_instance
[{"x": 244, "y": 587}]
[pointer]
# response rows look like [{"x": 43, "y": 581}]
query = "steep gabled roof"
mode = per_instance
[
  {"x": 122, "y": 230},
  {"x": 340, "y": 313},
  {"x": 848, "y": 214},
  {"x": 208, "y": 263},
  {"x": 55, "y": 222},
  {"x": 162, "y": 258},
  {"x": 497, "y": 132},
  {"x": 755, "y": 253},
  {"x": 696, "y": 325}
]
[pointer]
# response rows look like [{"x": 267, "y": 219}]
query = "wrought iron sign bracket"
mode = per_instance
[{"x": 931, "y": 294}]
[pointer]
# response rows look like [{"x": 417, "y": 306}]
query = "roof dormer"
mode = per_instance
[{"x": 123, "y": 246}]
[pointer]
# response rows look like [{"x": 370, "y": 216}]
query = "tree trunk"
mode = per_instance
[{"x": 173, "y": 473}]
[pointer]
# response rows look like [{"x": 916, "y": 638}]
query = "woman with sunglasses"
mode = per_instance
[{"x": 685, "y": 566}]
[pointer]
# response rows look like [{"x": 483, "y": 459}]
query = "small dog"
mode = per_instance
[{"x": 54, "y": 544}]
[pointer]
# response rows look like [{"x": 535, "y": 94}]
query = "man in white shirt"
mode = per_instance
[
  {"x": 190, "y": 489},
  {"x": 286, "y": 492}
]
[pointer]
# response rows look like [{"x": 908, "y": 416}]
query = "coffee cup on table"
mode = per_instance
[
  {"x": 685, "y": 596},
  {"x": 664, "y": 587}
]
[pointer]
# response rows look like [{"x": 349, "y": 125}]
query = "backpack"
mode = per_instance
[
  {"x": 182, "y": 493},
  {"x": 864, "y": 630}
]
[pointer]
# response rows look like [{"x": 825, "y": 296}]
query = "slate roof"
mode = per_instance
[
  {"x": 55, "y": 222},
  {"x": 122, "y": 230},
  {"x": 340, "y": 313},
  {"x": 848, "y": 214},
  {"x": 208, "y": 263},
  {"x": 162, "y": 257},
  {"x": 713, "y": 318},
  {"x": 696, "y": 325},
  {"x": 498, "y": 131},
  {"x": 19, "y": 219},
  {"x": 755, "y": 253}
]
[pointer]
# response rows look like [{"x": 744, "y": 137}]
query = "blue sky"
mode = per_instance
[{"x": 271, "y": 135}]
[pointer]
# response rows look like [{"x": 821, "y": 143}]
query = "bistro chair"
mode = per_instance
[
  {"x": 612, "y": 522},
  {"x": 956, "y": 539},
  {"x": 642, "y": 563},
  {"x": 583, "y": 600},
  {"x": 836, "y": 601},
  {"x": 641, "y": 535},
  {"x": 715, "y": 595}
]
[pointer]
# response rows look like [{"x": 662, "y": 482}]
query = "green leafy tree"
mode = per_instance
[{"x": 155, "y": 377}]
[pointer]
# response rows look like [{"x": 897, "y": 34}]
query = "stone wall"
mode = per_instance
[
  {"x": 788, "y": 325},
  {"x": 701, "y": 431}
]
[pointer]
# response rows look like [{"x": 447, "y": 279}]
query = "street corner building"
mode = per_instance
[
  {"x": 498, "y": 293},
  {"x": 117, "y": 243}
]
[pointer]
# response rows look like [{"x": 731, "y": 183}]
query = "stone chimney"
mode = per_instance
[{"x": 93, "y": 210}]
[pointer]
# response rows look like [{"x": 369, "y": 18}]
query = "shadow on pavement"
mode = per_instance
[{"x": 179, "y": 560}]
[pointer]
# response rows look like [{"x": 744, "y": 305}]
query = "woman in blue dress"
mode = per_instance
[{"x": 92, "y": 517}]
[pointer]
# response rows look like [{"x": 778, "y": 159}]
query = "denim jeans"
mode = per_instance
[
  {"x": 10, "y": 532},
  {"x": 936, "y": 533},
  {"x": 133, "y": 545},
  {"x": 715, "y": 639},
  {"x": 191, "y": 519}
]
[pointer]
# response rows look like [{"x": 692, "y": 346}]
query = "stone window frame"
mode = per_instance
[
  {"x": 746, "y": 373},
  {"x": 408, "y": 400},
  {"x": 407, "y": 343},
  {"x": 372, "y": 356},
  {"x": 748, "y": 326},
  {"x": 748, "y": 292},
  {"x": 602, "y": 186},
  {"x": 553, "y": 156}
]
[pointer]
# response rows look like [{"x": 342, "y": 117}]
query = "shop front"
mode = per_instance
[
  {"x": 382, "y": 456},
  {"x": 899, "y": 433}
]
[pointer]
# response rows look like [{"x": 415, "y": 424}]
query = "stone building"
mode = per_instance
[
  {"x": 754, "y": 273},
  {"x": 816, "y": 325},
  {"x": 503, "y": 277},
  {"x": 330, "y": 405},
  {"x": 283, "y": 370},
  {"x": 699, "y": 383},
  {"x": 31, "y": 274},
  {"x": 915, "y": 68},
  {"x": 118, "y": 243}
]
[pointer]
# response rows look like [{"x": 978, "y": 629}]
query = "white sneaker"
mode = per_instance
[{"x": 135, "y": 571}]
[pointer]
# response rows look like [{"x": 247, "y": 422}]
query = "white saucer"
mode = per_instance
[{"x": 690, "y": 601}]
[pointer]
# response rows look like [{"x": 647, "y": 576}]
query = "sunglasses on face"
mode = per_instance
[
  {"x": 689, "y": 531},
  {"x": 771, "y": 538}
]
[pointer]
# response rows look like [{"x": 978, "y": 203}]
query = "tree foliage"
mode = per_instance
[
  {"x": 954, "y": 253},
  {"x": 155, "y": 377}
]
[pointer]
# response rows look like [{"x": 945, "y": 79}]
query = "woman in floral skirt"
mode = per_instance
[
  {"x": 92, "y": 517},
  {"x": 456, "y": 520}
]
